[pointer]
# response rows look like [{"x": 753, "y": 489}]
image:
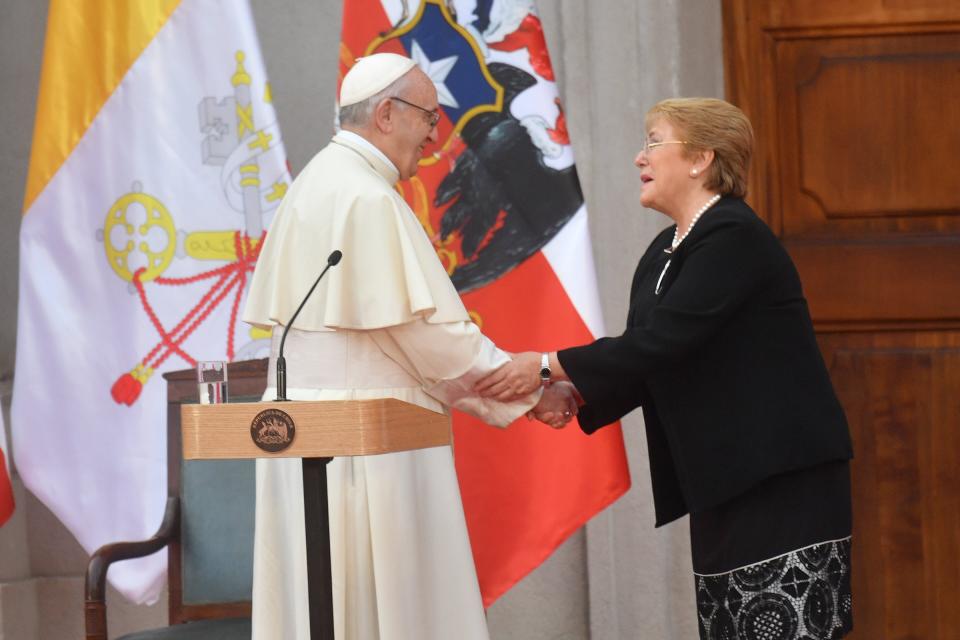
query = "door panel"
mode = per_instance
[
  {"x": 856, "y": 107},
  {"x": 903, "y": 413}
]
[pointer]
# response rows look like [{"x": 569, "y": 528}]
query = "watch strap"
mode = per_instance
[{"x": 545, "y": 368}]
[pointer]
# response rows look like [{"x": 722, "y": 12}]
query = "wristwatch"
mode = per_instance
[{"x": 545, "y": 368}]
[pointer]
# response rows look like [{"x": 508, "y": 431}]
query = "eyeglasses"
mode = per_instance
[
  {"x": 434, "y": 115},
  {"x": 649, "y": 146}
]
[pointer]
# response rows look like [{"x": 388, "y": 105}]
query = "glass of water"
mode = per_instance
[{"x": 212, "y": 381}]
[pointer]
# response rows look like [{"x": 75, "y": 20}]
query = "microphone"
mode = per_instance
[{"x": 332, "y": 261}]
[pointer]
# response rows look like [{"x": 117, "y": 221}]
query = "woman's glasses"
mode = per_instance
[{"x": 650, "y": 146}]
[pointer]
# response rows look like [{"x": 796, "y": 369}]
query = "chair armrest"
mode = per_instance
[{"x": 95, "y": 610}]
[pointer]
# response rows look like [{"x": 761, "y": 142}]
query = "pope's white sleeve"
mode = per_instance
[{"x": 448, "y": 358}]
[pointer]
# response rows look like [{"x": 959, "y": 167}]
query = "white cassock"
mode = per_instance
[{"x": 385, "y": 322}]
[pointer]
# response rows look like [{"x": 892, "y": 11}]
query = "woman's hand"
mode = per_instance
[
  {"x": 513, "y": 380},
  {"x": 557, "y": 406}
]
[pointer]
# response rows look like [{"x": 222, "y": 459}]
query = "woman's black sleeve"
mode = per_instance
[{"x": 716, "y": 276}]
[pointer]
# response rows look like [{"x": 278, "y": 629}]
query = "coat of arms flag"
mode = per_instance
[
  {"x": 499, "y": 196},
  {"x": 155, "y": 168}
]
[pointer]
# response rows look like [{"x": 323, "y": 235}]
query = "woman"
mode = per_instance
[{"x": 744, "y": 430}]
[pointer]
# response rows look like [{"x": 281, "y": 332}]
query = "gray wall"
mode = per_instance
[{"x": 618, "y": 578}]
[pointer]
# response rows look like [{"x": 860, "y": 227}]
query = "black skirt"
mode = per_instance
[{"x": 774, "y": 562}]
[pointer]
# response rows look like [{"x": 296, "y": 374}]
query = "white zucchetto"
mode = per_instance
[{"x": 371, "y": 75}]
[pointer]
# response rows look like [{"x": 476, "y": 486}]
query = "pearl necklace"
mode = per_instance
[
  {"x": 677, "y": 238},
  {"x": 676, "y": 232}
]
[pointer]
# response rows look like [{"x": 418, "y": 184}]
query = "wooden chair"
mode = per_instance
[{"x": 207, "y": 529}]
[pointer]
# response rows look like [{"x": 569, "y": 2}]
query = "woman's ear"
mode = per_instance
[
  {"x": 706, "y": 157},
  {"x": 701, "y": 162}
]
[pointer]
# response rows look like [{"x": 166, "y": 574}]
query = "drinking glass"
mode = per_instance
[{"x": 212, "y": 381}]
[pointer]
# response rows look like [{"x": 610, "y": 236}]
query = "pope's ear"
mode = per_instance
[{"x": 383, "y": 115}]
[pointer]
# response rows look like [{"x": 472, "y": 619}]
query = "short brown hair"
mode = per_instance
[{"x": 717, "y": 125}]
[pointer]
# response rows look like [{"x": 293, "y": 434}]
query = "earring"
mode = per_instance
[{"x": 694, "y": 173}]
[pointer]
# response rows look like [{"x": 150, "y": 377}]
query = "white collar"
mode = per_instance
[{"x": 369, "y": 146}]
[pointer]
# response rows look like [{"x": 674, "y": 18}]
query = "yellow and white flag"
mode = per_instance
[{"x": 155, "y": 168}]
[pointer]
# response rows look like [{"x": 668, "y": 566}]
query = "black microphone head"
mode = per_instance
[{"x": 334, "y": 258}]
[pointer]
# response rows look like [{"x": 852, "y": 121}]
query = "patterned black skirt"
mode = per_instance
[{"x": 774, "y": 563}]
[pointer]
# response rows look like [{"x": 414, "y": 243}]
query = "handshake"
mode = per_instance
[{"x": 519, "y": 377}]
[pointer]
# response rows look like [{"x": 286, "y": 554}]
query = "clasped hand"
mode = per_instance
[
  {"x": 521, "y": 376},
  {"x": 513, "y": 380},
  {"x": 557, "y": 406}
]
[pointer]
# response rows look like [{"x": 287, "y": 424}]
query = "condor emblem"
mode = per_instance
[{"x": 499, "y": 183}]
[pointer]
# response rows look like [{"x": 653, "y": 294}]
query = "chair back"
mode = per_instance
[
  {"x": 210, "y": 572},
  {"x": 216, "y": 530}
]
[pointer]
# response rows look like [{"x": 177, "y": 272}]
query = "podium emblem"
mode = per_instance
[{"x": 272, "y": 430}]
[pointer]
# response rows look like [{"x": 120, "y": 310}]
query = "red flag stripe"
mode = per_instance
[
  {"x": 6, "y": 489},
  {"x": 527, "y": 488}
]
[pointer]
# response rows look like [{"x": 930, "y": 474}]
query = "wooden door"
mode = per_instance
[{"x": 856, "y": 107}]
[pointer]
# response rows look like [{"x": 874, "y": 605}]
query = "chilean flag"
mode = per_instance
[
  {"x": 6, "y": 486},
  {"x": 500, "y": 198}
]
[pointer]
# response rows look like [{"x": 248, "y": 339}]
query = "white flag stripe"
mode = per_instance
[
  {"x": 571, "y": 257},
  {"x": 98, "y": 465}
]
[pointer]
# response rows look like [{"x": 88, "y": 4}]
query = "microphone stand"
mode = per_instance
[
  {"x": 332, "y": 260},
  {"x": 316, "y": 514}
]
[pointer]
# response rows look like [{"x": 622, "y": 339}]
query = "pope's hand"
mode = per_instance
[
  {"x": 557, "y": 406},
  {"x": 513, "y": 380}
]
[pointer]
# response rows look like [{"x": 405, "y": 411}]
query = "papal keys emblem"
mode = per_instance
[{"x": 141, "y": 239}]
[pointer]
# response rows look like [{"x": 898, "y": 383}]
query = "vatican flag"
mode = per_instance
[{"x": 155, "y": 167}]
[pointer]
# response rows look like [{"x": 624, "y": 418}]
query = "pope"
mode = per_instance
[{"x": 385, "y": 323}]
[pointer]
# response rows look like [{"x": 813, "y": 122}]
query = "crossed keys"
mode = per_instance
[{"x": 140, "y": 238}]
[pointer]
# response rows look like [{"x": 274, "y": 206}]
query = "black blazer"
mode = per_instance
[{"x": 723, "y": 361}]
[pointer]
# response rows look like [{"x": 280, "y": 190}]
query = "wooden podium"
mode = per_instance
[{"x": 315, "y": 431}]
